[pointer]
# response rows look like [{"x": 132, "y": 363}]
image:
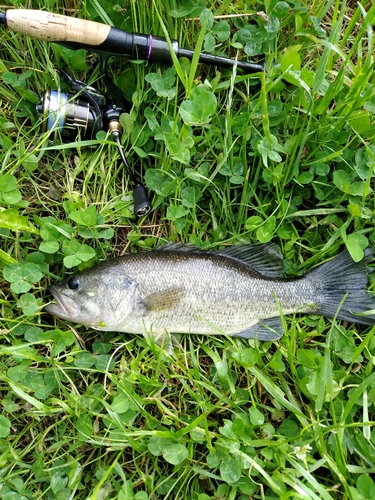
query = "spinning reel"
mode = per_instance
[{"x": 83, "y": 113}]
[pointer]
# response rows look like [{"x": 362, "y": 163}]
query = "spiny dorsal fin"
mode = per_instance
[{"x": 266, "y": 259}]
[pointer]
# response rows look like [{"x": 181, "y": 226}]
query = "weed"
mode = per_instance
[{"x": 227, "y": 158}]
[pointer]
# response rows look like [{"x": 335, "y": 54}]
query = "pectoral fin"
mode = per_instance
[
  {"x": 163, "y": 300},
  {"x": 266, "y": 329}
]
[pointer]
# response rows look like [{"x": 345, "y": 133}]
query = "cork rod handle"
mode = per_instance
[{"x": 55, "y": 27}]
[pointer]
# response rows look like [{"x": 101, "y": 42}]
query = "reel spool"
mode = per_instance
[{"x": 69, "y": 115}]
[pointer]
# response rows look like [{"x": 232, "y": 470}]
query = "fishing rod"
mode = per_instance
[
  {"x": 90, "y": 111},
  {"x": 81, "y": 34}
]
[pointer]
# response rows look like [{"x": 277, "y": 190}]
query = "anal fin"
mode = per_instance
[{"x": 266, "y": 329}]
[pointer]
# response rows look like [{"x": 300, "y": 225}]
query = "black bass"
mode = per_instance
[{"x": 238, "y": 291}]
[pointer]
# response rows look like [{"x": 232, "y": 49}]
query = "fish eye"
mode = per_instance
[{"x": 73, "y": 283}]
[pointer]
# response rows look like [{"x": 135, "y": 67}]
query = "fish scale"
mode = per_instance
[
  {"x": 237, "y": 291},
  {"x": 225, "y": 307}
]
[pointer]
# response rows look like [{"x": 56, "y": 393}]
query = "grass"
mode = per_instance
[{"x": 287, "y": 156}]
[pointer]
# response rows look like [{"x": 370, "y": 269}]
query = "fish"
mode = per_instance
[{"x": 240, "y": 291}]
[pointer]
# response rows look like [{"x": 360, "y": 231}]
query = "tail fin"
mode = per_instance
[{"x": 339, "y": 277}]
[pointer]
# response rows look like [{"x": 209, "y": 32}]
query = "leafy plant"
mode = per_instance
[{"x": 286, "y": 156}]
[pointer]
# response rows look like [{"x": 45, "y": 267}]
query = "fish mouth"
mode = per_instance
[{"x": 65, "y": 307}]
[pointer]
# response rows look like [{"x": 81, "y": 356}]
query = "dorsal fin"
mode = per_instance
[{"x": 265, "y": 259}]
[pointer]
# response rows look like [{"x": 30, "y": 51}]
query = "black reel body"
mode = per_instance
[{"x": 82, "y": 115}]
